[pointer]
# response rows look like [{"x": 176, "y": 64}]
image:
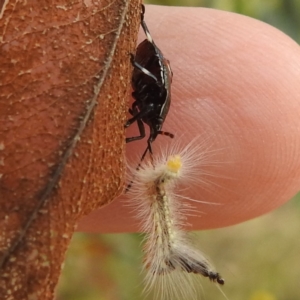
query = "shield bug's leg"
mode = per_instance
[
  {"x": 129, "y": 185},
  {"x": 152, "y": 137},
  {"x": 134, "y": 112},
  {"x": 145, "y": 152},
  {"x": 149, "y": 148},
  {"x": 149, "y": 142},
  {"x": 144, "y": 26},
  {"x": 142, "y": 69},
  {"x": 141, "y": 130},
  {"x": 136, "y": 117},
  {"x": 139, "y": 115}
]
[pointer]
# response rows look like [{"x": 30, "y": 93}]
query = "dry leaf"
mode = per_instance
[{"x": 64, "y": 80}]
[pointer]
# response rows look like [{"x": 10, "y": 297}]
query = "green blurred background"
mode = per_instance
[{"x": 260, "y": 259}]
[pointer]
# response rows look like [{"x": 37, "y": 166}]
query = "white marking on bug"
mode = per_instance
[
  {"x": 162, "y": 70},
  {"x": 149, "y": 37},
  {"x": 171, "y": 260},
  {"x": 145, "y": 71}
]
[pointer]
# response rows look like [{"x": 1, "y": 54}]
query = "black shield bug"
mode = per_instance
[{"x": 151, "y": 82}]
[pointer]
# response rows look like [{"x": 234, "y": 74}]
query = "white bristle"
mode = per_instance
[{"x": 171, "y": 261}]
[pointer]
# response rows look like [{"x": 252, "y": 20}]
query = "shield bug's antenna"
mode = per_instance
[{"x": 151, "y": 82}]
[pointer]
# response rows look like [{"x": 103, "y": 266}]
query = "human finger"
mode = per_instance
[{"x": 236, "y": 82}]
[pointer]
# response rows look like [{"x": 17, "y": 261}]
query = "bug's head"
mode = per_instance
[
  {"x": 155, "y": 128},
  {"x": 158, "y": 124}
]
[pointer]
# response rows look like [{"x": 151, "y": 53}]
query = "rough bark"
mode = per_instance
[{"x": 64, "y": 78}]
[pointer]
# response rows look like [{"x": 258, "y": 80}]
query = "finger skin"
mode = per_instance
[{"x": 235, "y": 80}]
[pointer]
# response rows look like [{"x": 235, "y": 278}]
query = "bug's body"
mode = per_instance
[
  {"x": 152, "y": 96},
  {"x": 151, "y": 82}
]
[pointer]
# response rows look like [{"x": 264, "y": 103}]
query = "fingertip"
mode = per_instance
[{"x": 235, "y": 81}]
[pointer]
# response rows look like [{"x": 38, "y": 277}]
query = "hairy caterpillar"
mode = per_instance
[{"x": 170, "y": 257}]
